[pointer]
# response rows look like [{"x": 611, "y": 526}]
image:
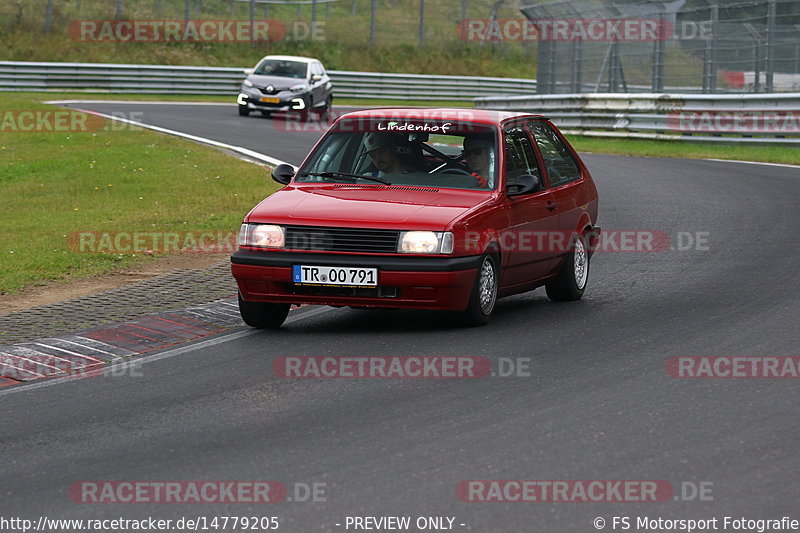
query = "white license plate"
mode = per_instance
[{"x": 339, "y": 276}]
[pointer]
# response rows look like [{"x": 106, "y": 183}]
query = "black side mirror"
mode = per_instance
[
  {"x": 283, "y": 173},
  {"x": 525, "y": 184}
]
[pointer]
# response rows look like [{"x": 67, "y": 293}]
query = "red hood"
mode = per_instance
[{"x": 367, "y": 207}]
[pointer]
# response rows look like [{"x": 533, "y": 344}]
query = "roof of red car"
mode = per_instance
[{"x": 485, "y": 116}]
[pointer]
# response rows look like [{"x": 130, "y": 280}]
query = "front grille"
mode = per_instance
[
  {"x": 274, "y": 90},
  {"x": 373, "y": 241}
]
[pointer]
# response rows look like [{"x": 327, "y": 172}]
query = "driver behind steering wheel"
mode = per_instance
[{"x": 479, "y": 154}]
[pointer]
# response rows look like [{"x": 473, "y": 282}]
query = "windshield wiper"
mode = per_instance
[{"x": 344, "y": 175}]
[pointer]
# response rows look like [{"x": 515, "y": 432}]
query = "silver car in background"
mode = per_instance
[{"x": 286, "y": 83}]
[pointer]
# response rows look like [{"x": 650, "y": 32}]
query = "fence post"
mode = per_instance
[
  {"x": 118, "y": 10},
  {"x": 659, "y": 51},
  {"x": 710, "y": 56},
  {"x": 421, "y": 22},
  {"x": 187, "y": 11},
  {"x": 577, "y": 63},
  {"x": 48, "y": 16},
  {"x": 770, "y": 45},
  {"x": 252, "y": 22},
  {"x": 313, "y": 16},
  {"x": 373, "y": 9}
]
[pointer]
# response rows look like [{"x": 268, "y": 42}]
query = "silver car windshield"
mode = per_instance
[
  {"x": 455, "y": 160},
  {"x": 282, "y": 68}
]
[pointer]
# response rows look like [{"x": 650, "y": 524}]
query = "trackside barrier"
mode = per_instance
[
  {"x": 772, "y": 118},
  {"x": 156, "y": 79}
]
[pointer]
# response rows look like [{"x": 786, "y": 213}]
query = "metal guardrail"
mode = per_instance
[
  {"x": 773, "y": 118},
  {"x": 156, "y": 79}
]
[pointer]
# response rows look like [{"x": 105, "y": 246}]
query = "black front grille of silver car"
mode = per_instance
[
  {"x": 331, "y": 239},
  {"x": 274, "y": 90}
]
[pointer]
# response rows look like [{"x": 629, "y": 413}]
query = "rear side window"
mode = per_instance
[
  {"x": 561, "y": 166},
  {"x": 520, "y": 156}
]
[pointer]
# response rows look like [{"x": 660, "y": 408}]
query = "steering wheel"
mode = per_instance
[{"x": 453, "y": 170}]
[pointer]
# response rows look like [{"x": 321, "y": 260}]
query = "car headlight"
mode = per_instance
[
  {"x": 247, "y": 83},
  {"x": 425, "y": 242},
  {"x": 298, "y": 88},
  {"x": 262, "y": 235}
]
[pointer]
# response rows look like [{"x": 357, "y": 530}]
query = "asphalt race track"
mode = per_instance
[{"x": 598, "y": 403}]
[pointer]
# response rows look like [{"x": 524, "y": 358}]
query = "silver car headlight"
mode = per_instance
[
  {"x": 425, "y": 242},
  {"x": 262, "y": 235},
  {"x": 298, "y": 88}
]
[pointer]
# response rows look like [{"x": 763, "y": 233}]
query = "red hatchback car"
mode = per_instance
[{"x": 421, "y": 208}]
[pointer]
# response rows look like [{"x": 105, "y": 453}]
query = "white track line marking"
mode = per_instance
[
  {"x": 244, "y": 151},
  {"x": 755, "y": 162},
  {"x": 140, "y": 102},
  {"x": 165, "y": 355}
]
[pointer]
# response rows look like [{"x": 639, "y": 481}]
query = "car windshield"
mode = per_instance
[
  {"x": 429, "y": 153},
  {"x": 282, "y": 68}
]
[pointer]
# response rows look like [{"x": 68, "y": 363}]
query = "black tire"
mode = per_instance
[
  {"x": 305, "y": 113},
  {"x": 483, "y": 299},
  {"x": 570, "y": 283},
  {"x": 323, "y": 111},
  {"x": 244, "y": 111},
  {"x": 263, "y": 315}
]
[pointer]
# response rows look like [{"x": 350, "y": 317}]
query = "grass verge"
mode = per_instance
[
  {"x": 766, "y": 153},
  {"x": 59, "y": 183}
]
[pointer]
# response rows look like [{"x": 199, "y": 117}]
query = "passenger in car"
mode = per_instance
[
  {"x": 383, "y": 149},
  {"x": 478, "y": 155}
]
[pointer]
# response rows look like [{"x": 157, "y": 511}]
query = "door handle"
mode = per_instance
[{"x": 552, "y": 206}]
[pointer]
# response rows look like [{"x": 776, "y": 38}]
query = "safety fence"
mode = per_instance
[
  {"x": 159, "y": 79},
  {"x": 773, "y": 118}
]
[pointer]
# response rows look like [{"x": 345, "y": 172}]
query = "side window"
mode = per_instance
[
  {"x": 520, "y": 157},
  {"x": 561, "y": 167}
]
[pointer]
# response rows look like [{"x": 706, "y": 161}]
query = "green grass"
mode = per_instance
[
  {"x": 344, "y": 43},
  {"x": 54, "y": 184},
  {"x": 231, "y": 99},
  {"x": 768, "y": 153}
]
